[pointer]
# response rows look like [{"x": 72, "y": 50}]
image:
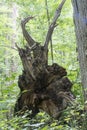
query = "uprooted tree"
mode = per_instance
[{"x": 42, "y": 86}]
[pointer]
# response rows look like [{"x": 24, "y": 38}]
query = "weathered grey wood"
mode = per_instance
[
  {"x": 27, "y": 36},
  {"x": 53, "y": 24},
  {"x": 80, "y": 21}
]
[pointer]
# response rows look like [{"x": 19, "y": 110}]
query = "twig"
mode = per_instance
[{"x": 9, "y": 47}]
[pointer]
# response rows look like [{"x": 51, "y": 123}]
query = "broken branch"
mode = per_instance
[
  {"x": 53, "y": 25},
  {"x": 27, "y": 36}
]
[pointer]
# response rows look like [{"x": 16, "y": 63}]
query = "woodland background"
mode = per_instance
[{"x": 64, "y": 53}]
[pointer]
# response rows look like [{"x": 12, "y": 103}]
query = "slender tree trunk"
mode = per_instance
[
  {"x": 14, "y": 15},
  {"x": 80, "y": 21}
]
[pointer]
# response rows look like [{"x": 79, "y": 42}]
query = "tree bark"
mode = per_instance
[
  {"x": 42, "y": 86},
  {"x": 80, "y": 21}
]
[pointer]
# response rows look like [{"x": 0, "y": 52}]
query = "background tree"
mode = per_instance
[{"x": 80, "y": 21}]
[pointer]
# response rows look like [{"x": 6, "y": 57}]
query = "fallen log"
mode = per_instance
[{"x": 42, "y": 86}]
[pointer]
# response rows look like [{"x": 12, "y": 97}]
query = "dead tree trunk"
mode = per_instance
[{"x": 42, "y": 86}]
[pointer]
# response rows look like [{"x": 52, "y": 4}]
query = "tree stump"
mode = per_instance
[{"x": 42, "y": 86}]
